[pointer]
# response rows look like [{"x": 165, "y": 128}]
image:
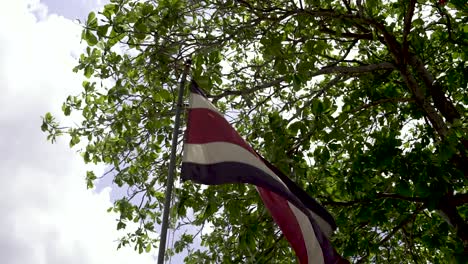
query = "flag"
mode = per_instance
[{"x": 214, "y": 153}]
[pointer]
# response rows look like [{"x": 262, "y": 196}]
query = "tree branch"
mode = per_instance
[
  {"x": 347, "y": 51},
  {"x": 443, "y": 12},
  {"x": 431, "y": 113},
  {"x": 317, "y": 94},
  {"x": 325, "y": 70},
  {"x": 256, "y": 9},
  {"x": 441, "y": 102},
  {"x": 401, "y": 225},
  {"x": 247, "y": 91},
  {"x": 357, "y": 69},
  {"x": 381, "y": 101},
  {"x": 328, "y": 201},
  {"x": 348, "y": 6},
  {"x": 267, "y": 252},
  {"x": 449, "y": 213},
  {"x": 407, "y": 26},
  {"x": 401, "y": 197},
  {"x": 395, "y": 230},
  {"x": 360, "y": 8},
  {"x": 367, "y": 36}
]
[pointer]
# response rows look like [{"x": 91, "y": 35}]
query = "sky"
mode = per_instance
[{"x": 47, "y": 214}]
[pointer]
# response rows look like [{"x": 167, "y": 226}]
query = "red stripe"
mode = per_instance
[
  {"x": 205, "y": 126},
  {"x": 286, "y": 220}
]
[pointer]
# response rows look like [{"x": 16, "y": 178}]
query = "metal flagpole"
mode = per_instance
[{"x": 170, "y": 176}]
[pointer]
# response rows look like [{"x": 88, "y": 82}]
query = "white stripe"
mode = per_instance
[
  {"x": 217, "y": 152},
  {"x": 325, "y": 227},
  {"x": 198, "y": 101},
  {"x": 314, "y": 251}
]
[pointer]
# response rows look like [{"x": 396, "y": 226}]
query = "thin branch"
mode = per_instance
[
  {"x": 325, "y": 70},
  {"x": 360, "y": 8},
  {"x": 247, "y": 91},
  {"x": 441, "y": 102},
  {"x": 448, "y": 211},
  {"x": 410, "y": 243},
  {"x": 443, "y": 12},
  {"x": 267, "y": 252},
  {"x": 347, "y": 51},
  {"x": 401, "y": 225},
  {"x": 328, "y": 201},
  {"x": 381, "y": 101},
  {"x": 348, "y": 6},
  {"x": 407, "y": 27},
  {"x": 356, "y": 36},
  {"x": 317, "y": 94},
  {"x": 430, "y": 112},
  {"x": 357, "y": 69},
  {"x": 395, "y": 230},
  {"x": 401, "y": 197}
]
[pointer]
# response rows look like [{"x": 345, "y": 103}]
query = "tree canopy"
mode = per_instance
[{"x": 362, "y": 102}]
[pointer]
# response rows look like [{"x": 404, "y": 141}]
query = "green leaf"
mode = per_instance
[
  {"x": 90, "y": 177},
  {"x": 121, "y": 225},
  {"x": 325, "y": 155},
  {"x": 88, "y": 71},
  {"x": 165, "y": 95},
  {"x": 317, "y": 106},
  {"x": 140, "y": 29},
  {"x": 109, "y": 10},
  {"x": 91, "y": 22},
  {"x": 89, "y": 37},
  {"x": 44, "y": 126},
  {"x": 74, "y": 140},
  {"x": 48, "y": 117},
  {"x": 148, "y": 248},
  {"x": 66, "y": 109},
  {"x": 102, "y": 30}
]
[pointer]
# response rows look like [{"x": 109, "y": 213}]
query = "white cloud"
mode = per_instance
[{"x": 47, "y": 215}]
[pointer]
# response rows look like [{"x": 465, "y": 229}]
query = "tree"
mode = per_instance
[{"x": 362, "y": 102}]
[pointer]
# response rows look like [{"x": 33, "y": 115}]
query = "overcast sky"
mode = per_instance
[
  {"x": 73, "y": 9},
  {"x": 47, "y": 214}
]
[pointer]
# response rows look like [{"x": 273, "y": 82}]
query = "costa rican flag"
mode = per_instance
[{"x": 214, "y": 153}]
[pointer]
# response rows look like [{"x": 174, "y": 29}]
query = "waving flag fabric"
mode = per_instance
[{"x": 214, "y": 153}]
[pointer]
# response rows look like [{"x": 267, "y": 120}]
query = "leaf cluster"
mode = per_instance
[{"x": 363, "y": 103}]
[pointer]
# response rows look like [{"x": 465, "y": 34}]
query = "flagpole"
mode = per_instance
[{"x": 170, "y": 176}]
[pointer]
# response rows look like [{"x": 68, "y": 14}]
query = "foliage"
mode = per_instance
[{"x": 362, "y": 102}]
